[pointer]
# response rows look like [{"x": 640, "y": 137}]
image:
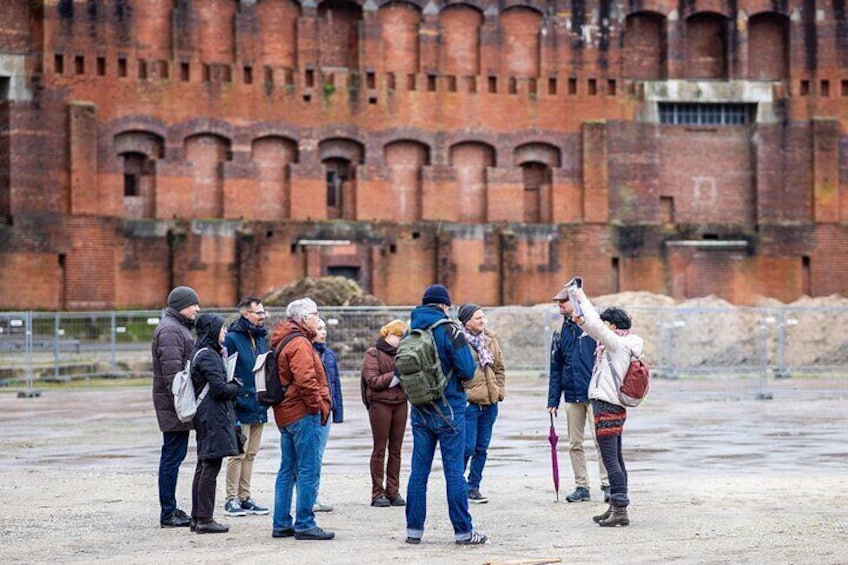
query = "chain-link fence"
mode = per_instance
[{"x": 680, "y": 342}]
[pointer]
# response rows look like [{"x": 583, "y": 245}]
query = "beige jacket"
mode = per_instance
[
  {"x": 620, "y": 348},
  {"x": 488, "y": 386}
]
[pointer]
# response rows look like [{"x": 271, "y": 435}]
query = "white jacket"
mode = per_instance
[{"x": 621, "y": 350}]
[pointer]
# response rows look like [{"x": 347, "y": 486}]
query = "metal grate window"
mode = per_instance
[{"x": 705, "y": 114}]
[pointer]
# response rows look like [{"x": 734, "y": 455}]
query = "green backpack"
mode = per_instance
[{"x": 419, "y": 368}]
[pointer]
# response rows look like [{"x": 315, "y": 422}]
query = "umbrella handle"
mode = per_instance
[{"x": 552, "y": 418}]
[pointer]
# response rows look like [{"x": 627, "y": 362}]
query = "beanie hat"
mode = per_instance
[
  {"x": 395, "y": 327},
  {"x": 466, "y": 311},
  {"x": 182, "y": 297},
  {"x": 436, "y": 294}
]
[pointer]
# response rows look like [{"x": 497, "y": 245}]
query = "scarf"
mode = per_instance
[
  {"x": 478, "y": 342},
  {"x": 383, "y": 346}
]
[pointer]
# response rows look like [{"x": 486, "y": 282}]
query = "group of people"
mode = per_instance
[{"x": 230, "y": 419}]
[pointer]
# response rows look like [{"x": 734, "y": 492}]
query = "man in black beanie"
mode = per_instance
[
  {"x": 172, "y": 345},
  {"x": 442, "y": 422}
]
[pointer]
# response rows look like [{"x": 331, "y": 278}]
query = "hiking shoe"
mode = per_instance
[
  {"x": 211, "y": 527},
  {"x": 174, "y": 521},
  {"x": 321, "y": 507},
  {"x": 233, "y": 508},
  {"x": 413, "y": 541},
  {"x": 381, "y": 502},
  {"x": 475, "y": 539},
  {"x": 251, "y": 507},
  {"x": 397, "y": 501},
  {"x": 579, "y": 495},
  {"x": 477, "y": 498},
  {"x": 283, "y": 533},
  {"x": 606, "y": 490}
]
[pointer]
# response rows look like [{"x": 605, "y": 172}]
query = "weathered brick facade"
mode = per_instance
[{"x": 496, "y": 147}]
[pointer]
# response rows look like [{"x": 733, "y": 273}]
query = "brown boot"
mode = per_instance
[
  {"x": 597, "y": 519},
  {"x": 618, "y": 517}
]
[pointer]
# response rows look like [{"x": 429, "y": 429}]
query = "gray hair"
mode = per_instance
[{"x": 297, "y": 310}]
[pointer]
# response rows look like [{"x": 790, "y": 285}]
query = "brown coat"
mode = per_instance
[
  {"x": 378, "y": 370},
  {"x": 489, "y": 386},
  {"x": 300, "y": 367}
]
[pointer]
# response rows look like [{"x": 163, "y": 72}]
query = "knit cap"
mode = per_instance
[
  {"x": 182, "y": 297},
  {"x": 466, "y": 311},
  {"x": 436, "y": 294}
]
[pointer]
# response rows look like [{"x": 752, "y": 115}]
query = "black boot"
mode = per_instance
[
  {"x": 618, "y": 517},
  {"x": 597, "y": 519}
]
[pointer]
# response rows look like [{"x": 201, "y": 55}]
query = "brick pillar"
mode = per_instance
[
  {"x": 510, "y": 268},
  {"x": 826, "y": 170},
  {"x": 595, "y": 174},
  {"x": 85, "y": 199}
]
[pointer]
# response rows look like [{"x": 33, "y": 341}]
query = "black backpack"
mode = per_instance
[{"x": 275, "y": 391}]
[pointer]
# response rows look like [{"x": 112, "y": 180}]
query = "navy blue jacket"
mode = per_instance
[
  {"x": 454, "y": 352},
  {"x": 248, "y": 409},
  {"x": 572, "y": 359},
  {"x": 331, "y": 368}
]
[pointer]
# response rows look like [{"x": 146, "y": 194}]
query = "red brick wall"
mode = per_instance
[{"x": 521, "y": 42}]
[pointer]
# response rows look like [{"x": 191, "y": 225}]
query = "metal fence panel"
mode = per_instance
[{"x": 680, "y": 342}]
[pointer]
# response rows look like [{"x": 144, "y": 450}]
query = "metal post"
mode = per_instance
[
  {"x": 781, "y": 372},
  {"x": 764, "y": 394},
  {"x": 56, "y": 329},
  {"x": 113, "y": 360},
  {"x": 29, "y": 392}
]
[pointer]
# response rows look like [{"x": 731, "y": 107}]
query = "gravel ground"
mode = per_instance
[{"x": 716, "y": 476}]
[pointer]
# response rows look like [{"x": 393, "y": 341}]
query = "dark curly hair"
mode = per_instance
[{"x": 616, "y": 316}]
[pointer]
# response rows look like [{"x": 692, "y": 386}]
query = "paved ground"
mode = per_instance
[{"x": 717, "y": 476}]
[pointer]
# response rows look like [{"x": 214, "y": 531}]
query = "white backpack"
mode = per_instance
[{"x": 185, "y": 400}]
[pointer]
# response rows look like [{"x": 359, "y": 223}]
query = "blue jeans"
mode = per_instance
[
  {"x": 479, "y": 421},
  {"x": 428, "y": 427},
  {"x": 325, "y": 435},
  {"x": 174, "y": 449},
  {"x": 300, "y": 463}
]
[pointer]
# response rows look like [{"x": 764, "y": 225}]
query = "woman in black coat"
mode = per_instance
[{"x": 215, "y": 422}]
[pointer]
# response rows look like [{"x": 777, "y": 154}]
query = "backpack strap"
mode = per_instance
[
  {"x": 205, "y": 390},
  {"x": 285, "y": 341}
]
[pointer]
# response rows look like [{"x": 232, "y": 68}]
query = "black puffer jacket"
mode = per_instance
[
  {"x": 171, "y": 347},
  {"x": 215, "y": 421}
]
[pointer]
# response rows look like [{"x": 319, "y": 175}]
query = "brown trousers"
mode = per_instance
[{"x": 388, "y": 425}]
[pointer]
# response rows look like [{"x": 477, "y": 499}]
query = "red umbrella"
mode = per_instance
[{"x": 553, "y": 438}]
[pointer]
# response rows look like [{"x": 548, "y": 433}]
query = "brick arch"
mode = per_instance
[
  {"x": 404, "y": 160},
  {"x": 540, "y": 152},
  {"x": 134, "y": 123},
  {"x": 520, "y": 48},
  {"x": 272, "y": 156},
  {"x": 419, "y": 4},
  {"x": 480, "y": 5},
  {"x": 645, "y": 46},
  {"x": 278, "y": 32},
  {"x": 470, "y": 161},
  {"x": 720, "y": 7},
  {"x": 535, "y": 6},
  {"x": 147, "y": 143},
  {"x": 537, "y": 161},
  {"x": 707, "y": 37},
  {"x": 205, "y": 151},
  {"x": 460, "y": 39},
  {"x": 181, "y": 131},
  {"x": 768, "y": 46},
  {"x": 341, "y": 148},
  {"x": 399, "y": 30}
]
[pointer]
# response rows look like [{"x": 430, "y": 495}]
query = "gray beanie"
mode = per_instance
[
  {"x": 466, "y": 311},
  {"x": 182, "y": 297}
]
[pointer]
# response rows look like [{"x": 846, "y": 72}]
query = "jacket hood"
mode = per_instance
[
  {"x": 425, "y": 316},
  {"x": 208, "y": 328},
  {"x": 286, "y": 327}
]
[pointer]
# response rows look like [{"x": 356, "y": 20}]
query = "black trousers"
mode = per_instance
[{"x": 203, "y": 489}]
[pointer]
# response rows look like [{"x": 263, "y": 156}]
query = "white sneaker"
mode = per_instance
[{"x": 319, "y": 507}]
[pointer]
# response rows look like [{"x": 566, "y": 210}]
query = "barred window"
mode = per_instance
[{"x": 705, "y": 114}]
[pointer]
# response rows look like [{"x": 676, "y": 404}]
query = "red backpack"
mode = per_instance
[{"x": 633, "y": 389}]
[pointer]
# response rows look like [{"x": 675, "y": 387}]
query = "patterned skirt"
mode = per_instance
[{"x": 609, "y": 418}]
